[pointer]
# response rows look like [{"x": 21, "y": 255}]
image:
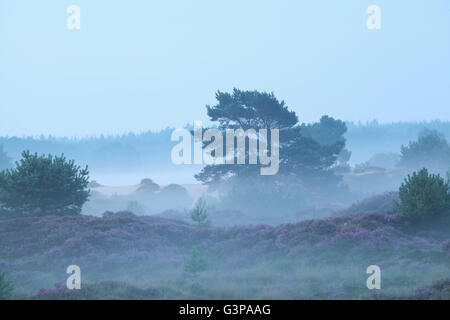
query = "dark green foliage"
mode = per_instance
[
  {"x": 307, "y": 151},
  {"x": 42, "y": 185},
  {"x": 423, "y": 195},
  {"x": 329, "y": 133},
  {"x": 304, "y": 157},
  {"x": 326, "y": 132},
  {"x": 251, "y": 109},
  {"x": 245, "y": 110},
  {"x": 431, "y": 150},
  {"x": 6, "y": 288},
  {"x": 200, "y": 214},
  {"x": 5, "y": 161}
]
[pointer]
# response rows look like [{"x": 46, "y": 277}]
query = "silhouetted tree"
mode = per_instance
[
  {"x": 306, "y": 151},
  {"x": 251, "y": 109}
]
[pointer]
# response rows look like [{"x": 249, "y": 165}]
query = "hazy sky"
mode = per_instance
[{"x": 140, "y": 65}]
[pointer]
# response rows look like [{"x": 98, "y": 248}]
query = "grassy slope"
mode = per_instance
[{"x": 143, "y": 257}]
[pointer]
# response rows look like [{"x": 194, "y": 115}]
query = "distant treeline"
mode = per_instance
[
  {"x": 370, "y": 138},
  {"x": 128, "y": 151},
  {"x": 152, "y": 149}
]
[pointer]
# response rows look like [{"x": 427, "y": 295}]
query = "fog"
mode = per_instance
[
  {"x": 352, "y": 115},
  {"x": 118, "y": 164}
]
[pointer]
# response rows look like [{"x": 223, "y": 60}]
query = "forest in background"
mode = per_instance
[{"x": 149, "y": 150}]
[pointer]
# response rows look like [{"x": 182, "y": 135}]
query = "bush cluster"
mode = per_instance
[
  {"x": 423, "y": 195},
  {"x": 42, "y": 185}
]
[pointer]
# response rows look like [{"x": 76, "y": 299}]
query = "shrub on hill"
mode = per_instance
[
  {"x": 423, "y": 195},
  {"x": 200, "y": 214}
]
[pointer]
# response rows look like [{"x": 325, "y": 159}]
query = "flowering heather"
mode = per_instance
[
  {"x": 149, "y": 252},
  {"x": 440, "y": 290},
  {"x": 446, "y": 246},
  {"x": 108, "y": 290}
]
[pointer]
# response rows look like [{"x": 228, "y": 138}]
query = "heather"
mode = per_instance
[
  {"x": 439, "y": 290},
  {"x": 147, "y": 256},
  {"x": 224, "y": 150}
]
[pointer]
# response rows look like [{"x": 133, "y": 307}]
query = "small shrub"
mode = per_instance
[
  {"x": 6, "y": 288},
  {"x": 200, "y": 214},
  {"x": 423, "y": 195},
  {"x": 195, "y": 263}
]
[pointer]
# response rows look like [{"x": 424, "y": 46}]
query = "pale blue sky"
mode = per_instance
[{"x": 140, "y": 65}]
